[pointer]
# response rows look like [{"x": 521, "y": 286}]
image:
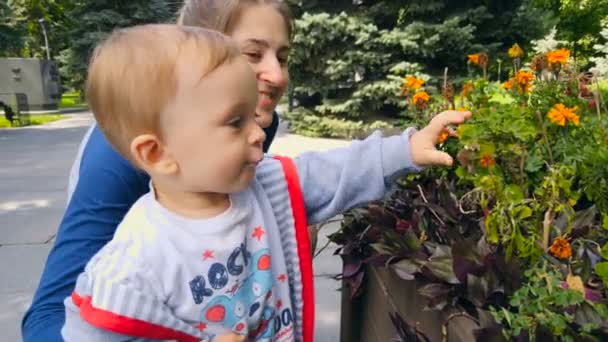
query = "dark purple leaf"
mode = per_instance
[
  {"x": 586, "y": 313},
  {"x": 403, "y": 226},
  {"x": 355, "y": 284},
  {"x": 378, "y": 260},
  {"x": 405, "y": 331},
  {"x": 379, "y": 216},
  {"x": 594, "y": 258},
  {"x": 441, "y": 266},
  {"x": 351, "y": 268},
  {"x": 479, "y": 289},
  {"x": 406, "y": 268},
  {"x": 434, "y": 290},
  {"x": 583, "y": 220},
  {"x": 591, "y": 295},
  {"x": 436, "y": 294},
  {"x": 466, "y": 260}
]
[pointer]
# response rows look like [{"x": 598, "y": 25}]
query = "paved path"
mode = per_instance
[{"x": 33, "y": 178}]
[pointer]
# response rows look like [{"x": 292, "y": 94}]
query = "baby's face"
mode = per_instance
[{"x": 210, "y": 128}]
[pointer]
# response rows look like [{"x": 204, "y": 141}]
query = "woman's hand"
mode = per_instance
[{"x": 423, "y": 142}]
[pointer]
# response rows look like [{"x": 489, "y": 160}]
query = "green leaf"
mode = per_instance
[
  {"x": 525, "y": 212},
  {"x": 513, "y": 193},
  {"x": 605, "y": 222},
  {"x": 601, "y": 269},
  {"x": 605, "y": 251}
]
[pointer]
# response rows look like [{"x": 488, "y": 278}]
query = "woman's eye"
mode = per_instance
[
  {"x": 254, "y": 56},
  {"x": 283, "y": 60}
]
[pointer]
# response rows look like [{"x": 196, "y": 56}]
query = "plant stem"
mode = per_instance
[
  {"x": 545, "y": 136},
  {"x": 444, "y": 326},
  {"x": 597, "y": 95},
  {"x": 547, "y": 227},
  {"x": 445, "y": 87},
  {"x": 431, "y": 209}
]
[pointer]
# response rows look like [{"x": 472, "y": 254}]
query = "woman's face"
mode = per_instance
[{"x": 262, "y": 36}]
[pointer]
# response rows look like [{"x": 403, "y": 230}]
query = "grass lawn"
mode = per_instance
[
  {"x": 34, "y": 120},
  {"x": 71, "y": 100}
]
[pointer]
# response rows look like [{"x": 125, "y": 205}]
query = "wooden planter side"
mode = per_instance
[{"x": 366, "y": 319}]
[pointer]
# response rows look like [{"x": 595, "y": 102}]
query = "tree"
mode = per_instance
[
  {"x": 579, "y": 22},
  {"x": 27, "y": 15},
  {"x": 11, "y": 38},
  {"x": 89, "y": 21},
  {"x": 352, "y": 58}
]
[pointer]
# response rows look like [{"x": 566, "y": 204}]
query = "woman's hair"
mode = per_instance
[{"x": 222, "y": 15}]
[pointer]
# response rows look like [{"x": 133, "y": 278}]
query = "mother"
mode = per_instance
[{"x": 106, "y": 185}]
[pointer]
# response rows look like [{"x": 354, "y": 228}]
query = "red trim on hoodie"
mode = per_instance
[
  {"x": 303, "y": 242},
  {"x": 125, "y": 325}
]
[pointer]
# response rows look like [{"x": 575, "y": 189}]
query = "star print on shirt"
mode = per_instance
[
  {"x": 282, "y": 278},
  {"x": 279, "y": 304},
  {"x": 258, "y": 232},
  {"x": 208, "y": 254},
  {"x": 201, "y": 326}
]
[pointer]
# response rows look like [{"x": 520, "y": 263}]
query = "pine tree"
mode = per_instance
[{"x": 93, "y": 20}]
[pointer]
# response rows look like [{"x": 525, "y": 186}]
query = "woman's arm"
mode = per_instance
[{"x": 107, "y": 187}]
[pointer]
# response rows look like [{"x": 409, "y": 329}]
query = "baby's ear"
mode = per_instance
[{"x": 149, "y": 154}]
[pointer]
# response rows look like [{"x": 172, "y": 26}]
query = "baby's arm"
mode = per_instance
[{"x": 340, "y": 179}]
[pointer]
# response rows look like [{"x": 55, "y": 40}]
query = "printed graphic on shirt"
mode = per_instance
[{"x": 247, "y": 306}]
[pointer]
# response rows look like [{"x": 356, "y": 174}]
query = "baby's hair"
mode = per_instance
[{"x": 132, "y": 76}]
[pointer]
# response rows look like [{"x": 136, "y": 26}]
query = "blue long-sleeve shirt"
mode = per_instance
[{"x": 107, "y": 187}]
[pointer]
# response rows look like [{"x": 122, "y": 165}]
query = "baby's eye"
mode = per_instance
[{"x": 236, "y": 122}]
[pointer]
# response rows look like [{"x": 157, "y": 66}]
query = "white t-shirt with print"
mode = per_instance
[{"x": 222, "y": 274}]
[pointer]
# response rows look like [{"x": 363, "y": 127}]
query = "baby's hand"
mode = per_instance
[
  {"x": 230, "y": 337},
  {"x": 422, "y": 143}
]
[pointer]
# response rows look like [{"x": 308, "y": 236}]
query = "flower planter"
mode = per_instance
[{"x": 366, "y": 318}]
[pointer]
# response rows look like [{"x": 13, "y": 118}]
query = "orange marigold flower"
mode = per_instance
[
  {"x": 474, "y": 58},
  {"x": 515, "y": 51},
  {"x": 487, "y": 161},
  {"x": 559, "y": 114},
  {"x": 508, "y": 84},
  {"x": 467, "y": 88},
  {"x": 443, "y": 137},
  {"x": 413, "y": 83},
  {"x": 421, "y": 97},
  {"x": 561, "y": 248},
  {"x": 558, "y": 56},
  {"x": 524, "y": 77}
]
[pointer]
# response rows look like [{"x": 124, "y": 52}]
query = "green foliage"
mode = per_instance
[
  {"x": 530, "y": 188},
  {"x": 11, "y": 37},
  {"x": 540, "y": 303},
  {"x": 601, "y": 62},
  {"x": 579, "y": 23},
  {"x": 89, "y": 21},
  {"x": 305, "y": 123}
]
